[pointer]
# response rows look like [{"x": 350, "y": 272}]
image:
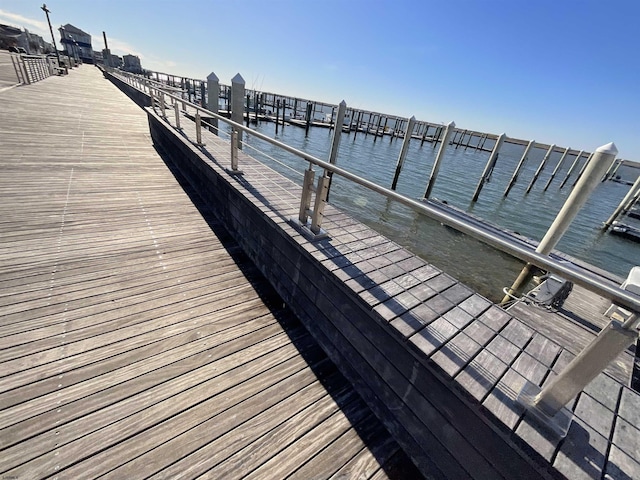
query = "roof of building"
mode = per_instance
[{"x": 70, "y": 28}]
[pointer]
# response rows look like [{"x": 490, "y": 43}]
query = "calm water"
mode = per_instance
[{"x": 477, "y": 265}]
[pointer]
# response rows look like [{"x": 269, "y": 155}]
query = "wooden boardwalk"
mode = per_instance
[{"x": 136, "y": 339}]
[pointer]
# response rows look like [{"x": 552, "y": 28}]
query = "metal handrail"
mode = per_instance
[{"x": 586, "y": 279}]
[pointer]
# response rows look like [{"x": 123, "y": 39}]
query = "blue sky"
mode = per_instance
[{"x": 563, "y": 71}]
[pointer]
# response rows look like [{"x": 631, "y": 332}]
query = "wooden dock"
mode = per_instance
[{"x": 137, "y": 339}]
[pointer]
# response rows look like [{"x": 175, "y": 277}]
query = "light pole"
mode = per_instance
[{"x": 55, "y": 47}]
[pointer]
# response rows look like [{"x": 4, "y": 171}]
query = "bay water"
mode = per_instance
[{"x": 481, "y": 267}]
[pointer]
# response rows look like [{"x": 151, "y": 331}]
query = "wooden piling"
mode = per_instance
[
  {"x": 436, "y": 136},
  {"x": 609, "y": 170},
  {"x": 436, "y": 164},
  {"x": 615, "y": 170},
  {"x": 306, "y": 127},
  {"x": 284, "y": 113},
  {"x": 357, "y": 119},
  {"x": 626, "y": 203},
  {"x": 466, "y": 145},
  {"x": 424, "y": 134},
  {"x": 237, "y": 100},
  {"x": 277, "y": 114},
  {"x": 256, "y": 106},
  {"x": 555, "y": 170},
  {"x": 489, "y": 166},
  {"x": 248, "y": 109},
  {"x": 540, "y": 168},
  {"x": 516, "y": 172},
  {"x": 395, "y": 130},
  {"x": 573, "y": 165},
  {"x": 403, "y": 151},
  {"x": 213, "y": 95},
  {"x": 584, "y": 166},
  {"x": 485, "y": 139}
]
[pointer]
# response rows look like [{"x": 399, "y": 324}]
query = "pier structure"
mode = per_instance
[
  {"x": 162, "y": 314},
  {"x": 305, "y": 113}
]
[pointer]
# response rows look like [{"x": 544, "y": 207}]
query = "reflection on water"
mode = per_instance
[{"x": 469, "y": 260}]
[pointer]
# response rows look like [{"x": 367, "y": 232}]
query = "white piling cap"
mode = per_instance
[
  {"x": 213, "y": 77},
  {"x": 451, "y": 124},
  {"x": 608, "y": 148},
  {"x": 238, "y": 79}
]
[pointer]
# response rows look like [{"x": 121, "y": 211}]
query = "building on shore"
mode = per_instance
[
  {"x": 132, "y": 64},
  {"x": 31, "y": 43},
  {"x": 76, "y": 43},
  {"x": 111, "y": 60}
]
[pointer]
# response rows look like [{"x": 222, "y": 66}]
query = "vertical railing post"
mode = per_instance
[
  {"x": 322, "y": 190},
  {"x": 152, "y": 99},
  {"x": 625, "y": 204},
  {"x": 573, "y": 165},
  {"x": 234, "y": 150},
  {"x": 176, "y": 109},
  {"x": 577, "y": 198},
  {"x": 237, "y": 100},
  {"x": 540, "y": 168},
  {"x": 555, "y": 170},
  {"x": 436, "y": 164},
  {"x": 516, "y": 172},
  {"x": 489, "y": 166},
  {"x": 25, "y": 73},
  {"x": 403, "y": 151},
  {"x": 14, "y": 62},
  {"x": 213, "y": 92},
  {"x": 305, "y": 199},
  {"x": 163, "y": 114},
  {"x": 546, "y": 403},
  {"x": 198, "y": 121}
]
